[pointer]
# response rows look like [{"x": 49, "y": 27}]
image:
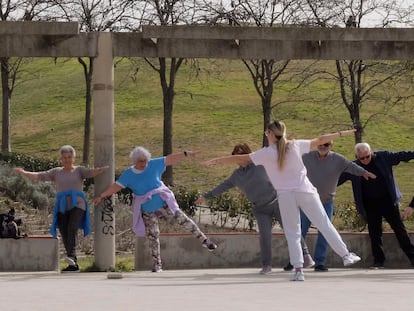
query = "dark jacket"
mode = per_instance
[{"x": 384, "y": 160}]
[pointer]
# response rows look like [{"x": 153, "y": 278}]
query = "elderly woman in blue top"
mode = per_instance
[
  {"x": 71, "y": 210},
  {"x": 153, "y": 200}
]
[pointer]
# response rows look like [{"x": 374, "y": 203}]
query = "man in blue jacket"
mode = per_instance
[{"x": 379, "y": 198}]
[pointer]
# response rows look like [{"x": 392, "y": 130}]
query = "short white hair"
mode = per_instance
[
  {"x": 67, "y": 149},
  {"x": 362, "y": 147},
  {"x": 139, "y": 153}
]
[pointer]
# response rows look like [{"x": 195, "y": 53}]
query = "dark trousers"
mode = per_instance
[
  {"x": 68, "y": 226},
  {"x": 384, "y": 208},
  {"x": 264, "y": 216}
]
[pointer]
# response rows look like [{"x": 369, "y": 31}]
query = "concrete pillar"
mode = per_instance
[{"x": 103, "y": 103}]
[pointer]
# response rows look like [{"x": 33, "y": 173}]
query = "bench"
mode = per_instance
[{"x": 31, "y": 253}]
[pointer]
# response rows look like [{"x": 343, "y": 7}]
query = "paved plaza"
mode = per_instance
[{"x": 211, "y": 289}]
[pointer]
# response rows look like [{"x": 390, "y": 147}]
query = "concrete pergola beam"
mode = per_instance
[
  {"x": 39, "y": 28},
  {"x": 277, "y": 33},
  {"x": 61, "y": 40},
  {"x": 136, "y": 45},
  {"x": 79, "y": 45}
]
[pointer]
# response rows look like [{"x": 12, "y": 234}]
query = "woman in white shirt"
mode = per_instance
[{"x": 282, "y": 160}]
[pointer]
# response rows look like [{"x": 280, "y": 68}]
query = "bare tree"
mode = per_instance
[
  {"x": 93, "y": 15},
  {"x": 362, "y": 82},
  {"x": 18, "y": 10},
  {"x": 166, "y": 12},
  {"x": 268, "y": 13}
]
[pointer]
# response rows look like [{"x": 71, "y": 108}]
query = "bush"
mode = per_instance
[
  {"x": 185, "y": 199},
  {"x": 17, "y": 188},
  {"x": 232, "y": 208},
  {"x": 28, "y": 163},
  {"x": 349, "y": 218}
]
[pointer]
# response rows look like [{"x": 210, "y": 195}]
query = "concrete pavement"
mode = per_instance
[{"x": 347, "y": 289}]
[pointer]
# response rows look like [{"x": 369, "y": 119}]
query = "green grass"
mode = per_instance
[{"x": 213, "y": 110}]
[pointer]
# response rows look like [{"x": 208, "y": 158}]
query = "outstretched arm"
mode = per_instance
[
  {"x": 216, "y": 191},
  {"x": 329, "y": 137},
  {"x": 109, "y": 191},
  {"x": 171, "y": 159},
  {"x": 31, "y": 175},
  {"x": 98, "y": 170},
  {"x": 240, "y": 159}
]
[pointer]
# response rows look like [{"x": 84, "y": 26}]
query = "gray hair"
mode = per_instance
[
  {"x": 362, "y": 147},
  {"x": 67, "y": 149},
  {"x": 139, "y": 153}
]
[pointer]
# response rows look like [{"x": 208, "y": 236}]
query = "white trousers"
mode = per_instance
[{"x": 289, "y": 204}]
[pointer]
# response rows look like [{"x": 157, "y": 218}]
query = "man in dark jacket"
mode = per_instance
[{"x": 379, "y": 198}]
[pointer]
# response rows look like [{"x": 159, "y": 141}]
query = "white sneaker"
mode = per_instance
[
  {"x": 71, "y": 261},
  {"x": 298, "y": 276},
  {"x": 350, "y": 259},
  {"x": 266, "y": 270},
  {"x": 308, "y": 261}
]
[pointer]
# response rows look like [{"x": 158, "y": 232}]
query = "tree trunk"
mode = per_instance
[
  {"x": 267, "y": 116},
  {"x": 358, "y": 126},
  {"x": 168, "y": 102},
  {"x": 88, "y": 73},
  {"x": 167, "y": 141},
  {"x": 6, "y": 99}
]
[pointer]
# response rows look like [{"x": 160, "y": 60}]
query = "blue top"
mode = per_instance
[{"x": 141, "y": 182}]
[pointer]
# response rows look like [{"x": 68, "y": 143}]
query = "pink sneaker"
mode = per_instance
[{"x": 308, "y": 261}]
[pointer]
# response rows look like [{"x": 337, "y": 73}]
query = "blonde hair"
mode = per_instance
[{"x": 278, "y": 128}]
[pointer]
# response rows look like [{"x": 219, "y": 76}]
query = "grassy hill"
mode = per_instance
[{"x": 215, "y": 107}]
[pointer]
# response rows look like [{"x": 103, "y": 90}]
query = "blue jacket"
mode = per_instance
[
  {"x": 60, "y": 206},
  {"x": 384, "y": 160}
]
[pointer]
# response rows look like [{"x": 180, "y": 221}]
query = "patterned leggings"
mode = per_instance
[{"x": 152, "y": 229}]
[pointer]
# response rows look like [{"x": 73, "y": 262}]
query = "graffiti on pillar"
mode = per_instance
[{"x": 107, "y": 217}]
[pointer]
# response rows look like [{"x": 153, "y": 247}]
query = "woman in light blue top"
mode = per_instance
[{"x": 153, "y": 200}]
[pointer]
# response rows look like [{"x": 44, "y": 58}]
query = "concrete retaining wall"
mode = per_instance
[
  {"x": 241, "y": 250},
  {"x": 33, "y": 253}
]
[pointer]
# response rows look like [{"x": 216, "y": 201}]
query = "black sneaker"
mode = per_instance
[
  {"x": 288, "y": 267},
  {"x": 71, "y": 269},
  {"x": 377, "y": 265},
  {"x": 209, "y": 245},
  {"x": 321, "y": 268}
]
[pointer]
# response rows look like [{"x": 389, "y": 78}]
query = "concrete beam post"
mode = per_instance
[{"x": 104, "y": 153}]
